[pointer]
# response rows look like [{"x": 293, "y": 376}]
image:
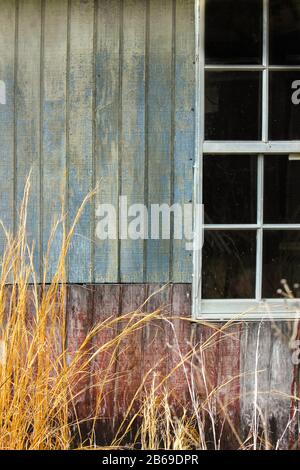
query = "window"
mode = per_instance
[{"x": 247, "y": 169}]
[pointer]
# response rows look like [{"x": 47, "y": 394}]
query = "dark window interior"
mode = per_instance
[
  {"x": 229, "y": 189},
  {"x": 233, "y": 32},
  {"x": 282, "y": 190},
  {"x": 284, "y": 102},
  {"x": 228, "y": 265},
  {"x": 281, "y": 260},
  {"x": 284, "y": 32},
  {"x": 233, "y": 106}
]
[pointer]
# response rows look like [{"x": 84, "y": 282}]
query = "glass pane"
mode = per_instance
[
  {"x": 228, "y": 265},
  {"x": 233, "y": 106},
  {"x": 285, "y": 105},
  {"x": 282, "y": 190},
  {"x": 229, "y": 189},
  {"x": 284, "y": 32},
  {"x": 281, "y": 260},
  {"x": 233, "y": 32}
]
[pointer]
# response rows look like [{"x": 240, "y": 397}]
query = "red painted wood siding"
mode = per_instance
[{"x": 228, "y": 360}]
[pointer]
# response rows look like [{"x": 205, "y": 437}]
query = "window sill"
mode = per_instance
[{"x": 248, "y": 310}]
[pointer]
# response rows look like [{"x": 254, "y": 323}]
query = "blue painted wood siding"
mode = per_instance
[{"x": 98, "y": 91}]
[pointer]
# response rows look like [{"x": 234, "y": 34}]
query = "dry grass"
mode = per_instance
[{"x": 41, "y": 380}]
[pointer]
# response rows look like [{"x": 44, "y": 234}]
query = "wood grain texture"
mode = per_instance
[
  {"x": 129, "y": 373},
  {"x": 156, "y": 335},
  {"x": 266, "y": 379},
  {"x": 28, "y": 121},
  {"x": 108, "y": 71},
  {"x": 79, "y": 323},
  {"x": 228, "y": 379},
  {"x": 159, "y": 102},
  {"x": 54, "y": 110},
  {"x": 106, "y": 308},
  {"x": 184, "y": 99},
  {"x": 132, "y": 183},
  {"x": 98, "y": 92},
  {"x": 7, "y": 67},
  {"x": 80, "y": 135},
  {"x": 180, "y": 345}
]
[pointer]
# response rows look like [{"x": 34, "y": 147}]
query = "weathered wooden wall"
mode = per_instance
[
  {"x": 98, "y": 91},
  {"x": 246, "y": 366},
  {"x": 103, "y": 90}
]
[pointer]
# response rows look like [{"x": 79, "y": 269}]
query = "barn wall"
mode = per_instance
[
  {"x": 98, "y": 92},
  {"x": 103, "y": 91}
]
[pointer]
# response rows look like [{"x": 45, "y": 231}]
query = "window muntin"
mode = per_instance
[{"x": 223, "y": 132}]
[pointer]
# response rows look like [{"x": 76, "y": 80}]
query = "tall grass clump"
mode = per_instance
[{"x": 40, "y": 378}]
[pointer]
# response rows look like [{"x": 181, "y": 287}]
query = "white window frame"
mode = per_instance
[{"x": 228, "y": 309}]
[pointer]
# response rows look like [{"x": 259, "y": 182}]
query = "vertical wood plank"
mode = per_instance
[
  {"x": 106, "y": 309},
  {"x": 28, "y": 115},
  {"x": 7, "y": 75},
  {"x": 281, "y": 378},
  {"x": 159, "y": 104},
  {"x": 80, "y": 136},
  {"x": 184, "y": 96},
  {"x": 181, "y": 343},
  {"x": 228, "y": 373},
  {"x": 217, "y": 381},
  {"x": 56, "y": 319},
  {"x": 129, "y": 373},
  {"x": 256, "y": 346},
  {"x": 263, "y": 345},
  {"x": 107, "y": 130},
  {"x": 54, "y": 126},
  {"x": 205, "y": 374},
  {"x": 79, "y": 323},
  {"x": 156, "y": 334},
  {"x": 133, "y": 130}
]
